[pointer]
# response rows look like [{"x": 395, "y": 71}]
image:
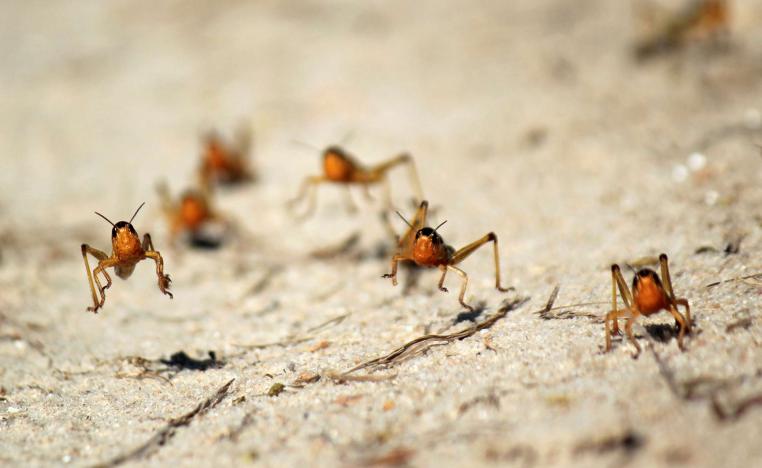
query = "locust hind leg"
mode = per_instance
[
  {"x": 667, "y": 280},
  {"x": 92, "y": 277},
  {"x": 682, "y": 323},
  {"x": 684, "y": 303},
  {"x": 404, "y": 158},
  {"x": 617, "y": 281},
  {"x": 308, "y": 188},
  {"x": 461, "y": 255}
]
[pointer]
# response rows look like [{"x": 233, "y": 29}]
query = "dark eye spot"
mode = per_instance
[
  {"x": 645, "y": 273},
  {"x": 427, "y": 231},
  {"x": 335, "y": 151}
]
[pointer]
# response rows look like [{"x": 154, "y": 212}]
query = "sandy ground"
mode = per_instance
[{"x": 528, "y": 118}]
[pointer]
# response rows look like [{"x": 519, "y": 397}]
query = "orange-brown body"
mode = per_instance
[
  {"x": 215, "y": 154},
  {"x": 194, "y": 211},
  {"x": 190, "y": 213},
  {"x": 127, "y": 251},
  {"x": 649, "y": 296},
  {"x": 700, "y": 20},
  {"x": 713, "y": 16},
  {"x": 425, "y": 247},
  {"x": 338, "y": 166},
  {"x": 225, "y": 163},
  {"x": 428, "y": 252},
  {"x": 218, "y": 158},
  {"x": 341, "y": 168}
]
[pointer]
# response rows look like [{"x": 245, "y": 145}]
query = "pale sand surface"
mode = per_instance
[{"x": 100, "y": 101}]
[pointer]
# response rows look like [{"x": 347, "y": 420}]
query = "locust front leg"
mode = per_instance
[
  {"x": 393, "y": 275},
  {"x": 164, "y": 280}
]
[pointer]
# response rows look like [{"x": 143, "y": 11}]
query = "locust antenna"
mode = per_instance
[
  {"x": 403, "y": 219},
  {"x": 136, "y": 211},
  {"x": 347, "y": 138},
  {"x": 107, "y": 220}
]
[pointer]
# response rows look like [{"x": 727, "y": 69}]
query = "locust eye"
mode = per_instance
[
  {"x": 335, "y": 151},
  {"x": 645, "y": 273},
  {"x": 427, "y": 231},
  {"x": 122, "y": 225},
  {"x": 430, "y": 233}
]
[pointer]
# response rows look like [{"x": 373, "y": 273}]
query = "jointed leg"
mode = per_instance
[
  {"x": 463, "y": 286},
  {"x": 164, "y": 280},
  {"x": 418, "y": 222},
  {"x": 170, "y": 211},
  {"x": 624, "y": 291},
  {"x": 614, "y": 312},
  {"x": 682, "y": 324},
  {"x": 388, "y": 226},
  {"x": 414, "y": 180},
  {"x": 612, "y": 317},
  {"x": 166, "y": 200},
  {"x": 393, "y": 275},
  {"x": 101, "y": 268},
  {"x": 100, "y": 255},
  {"x": 628, "y": 331},
  {"x": 617, "y": 281},
  {"x": 404, "y": 158},
  {"x": 684, "y": 303},
  {"x": 665, "y": 278},
  {"x": 308, "y": 185},
  {"x": 461, "y": 254},
  {"x": 366, "y": 192},
  {"x": 387, "y": 192},
  {"x": 351, "y": 205},
  {"x": 443, "y": 269},
  {"x": 147, "y": 243}
]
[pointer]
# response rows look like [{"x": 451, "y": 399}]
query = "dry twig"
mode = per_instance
[
  {"x": 546, "y": 315},
  {"x": 738, "y": 278},
  {"x": 292, "y": 340},
  {"x": 169, "y": 430},
  {"x": 423, "y": 343}
]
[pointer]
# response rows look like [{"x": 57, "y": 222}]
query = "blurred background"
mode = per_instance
[{"x": 100, "y": 100}]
